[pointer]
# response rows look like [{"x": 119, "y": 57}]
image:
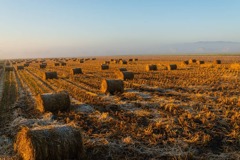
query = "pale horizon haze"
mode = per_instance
[{"x": 75, "y": 28}]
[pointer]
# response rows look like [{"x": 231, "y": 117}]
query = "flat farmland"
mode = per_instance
[{"x": 191, "y": 112}]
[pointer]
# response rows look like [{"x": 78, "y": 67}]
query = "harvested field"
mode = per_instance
[{"x": 190, "y": 111}]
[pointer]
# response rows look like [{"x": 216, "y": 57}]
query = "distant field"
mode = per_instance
[{"x": 192, "y": 112}]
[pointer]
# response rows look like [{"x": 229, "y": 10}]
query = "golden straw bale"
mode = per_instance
[
  {"x": 8, "y": 68},
  {"x": 50, "y": 75},
  {"x": 172, "y": 67},
  {"x": 50, "y": 142},
  {"x": 104, "y": 66},
  {"x": 185, "y": 62},
  {"x": 43, "y": 65},
  {"x": 151, "y": 67},
  {"x": 76, "y": 71},
  {"x": 107, "y": 62},
  {"x": 125, "y": 75},
  {"x": 26, "y": 65},
  {"x": 54, "y": 102},
  {"x": 112, "y": 86},
  {"x": 190, "y": 61},
  {"x": 63, "y": 64},
  {"x": 217, "y": 62},
  {"x": 200, "y": 62},
  {"x": 20, "y": 67},
  {"x": 123, "y": 62}
]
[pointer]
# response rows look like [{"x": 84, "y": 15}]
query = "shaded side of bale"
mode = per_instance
[
  {"x": 43, "y": 66},
  {"x": 217, "y": 62},
  {"x": 122, "y": 69},
  {"x": 116, "y": 61},
  {"x": 26, "y": 65},
  {"x": 56, "y": 64},
  {"x": 130, "y": 60},
  {"x": 151, "y": 67},
  {"x": 94, "y": 59},
  {"x": 107, "y": 62},
  {"x": 200, "y": 62},
  {"x": 136, "y": 59},
  {"x": 172, "y": 67},
  {"x": 20, "y": 67},
  {"x": 125, "y": 75},
  {"x": 50, "y": 75},
  {"x": 185, "y": 62},
  {"x": 50, "y": 142},
  {"x": 8, "y": 68},
  {"x": 63, "y": 64},
  {"x": 76, "y": 71},
  {"x": 112, "y": 86},
  {"x": 192, "y": 61},
  {"x": 53, "y": 102},
  {"x": 123, "y": 62},
  {"x": 81, "y": 61},
  {"x": 104, "y": 66}
]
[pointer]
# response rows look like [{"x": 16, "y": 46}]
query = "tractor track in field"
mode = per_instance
[{"x": 41, "y": 80}]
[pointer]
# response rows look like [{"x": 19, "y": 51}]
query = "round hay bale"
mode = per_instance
[
  {"x": 107, "y": 62},
  {"x": 125, "y": 75},
  {"x": 185, "y": 62},
  {"x": 200, "y": 62},
  {"x": 104, "y": 66},
  {"x": 172, "y": 67},
  {"x": 81, "y": 61},
  {"x": 123, "y": 62},
  {"x": 49, "y": 142},
  {"x": 112, "y": 86},
  {"x": 54, "y": 102},
  {"x": 42, "y": 65},
  {"x": 63, "y": 64},
  {"x": 94, "y": 59},
  {"x": 50, "y": 75},
  {"x": 151, "y": 67},
  {"x": 8, "y": 68},
  {"x": 130, "y": 60},
  {"x": 217, "y": 62},
  {"x": 76, "y": 71},
  {"x": 116, "y": 61},
  {"x": 122, "y": 69},
  {"x": 26, "y": 65},
  {"x": 56, "y": 64},
  {"x": 190, "y": 61},
  {"x": 20, "y": 67}
]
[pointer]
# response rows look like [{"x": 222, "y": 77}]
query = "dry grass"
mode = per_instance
[{"x": 191, "y": 113}]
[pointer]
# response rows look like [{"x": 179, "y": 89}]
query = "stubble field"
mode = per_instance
[{"x": 192, "y": 112}]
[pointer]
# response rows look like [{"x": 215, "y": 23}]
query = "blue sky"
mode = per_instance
[{"x": 32, "y": 28}]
